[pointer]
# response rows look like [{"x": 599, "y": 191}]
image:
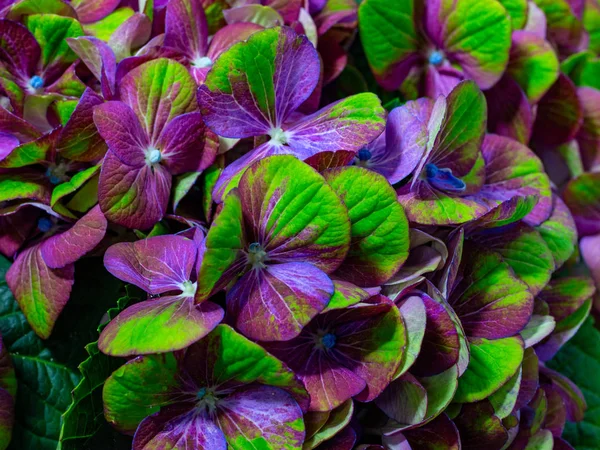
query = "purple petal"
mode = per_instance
[
  {"x": 343, "y": 440},
  {"x": 274, "y": 304},
  {"x": 67, "y": 247},
  {"x": 186, "y": 29},
  {"x": 287, "y": 89},
  {"x": 157, "y": 264},
  {"x": 509, "y": 111},
  {"x": 133, "y": 33},
  {"x": 122, "y": 131},
  {"x": 8, "y": 143},
  {"x": 265, "y": 413},
  {"x": 133, "y": 197},
  {"x": 179, "y": 426},
  {"x": 405, "y": 140},
  {"x": 40, "y": 291},
  {"x": 404, "y": 400},
  {"x": 347, "y": 124},
  {"x": 182, "y": 144},
  {"x": 441, "y": 81},
  {"x": 158, "y": 91},
  {"x": 12, "y": 124},
  {"x": 512, "y": 169},
  {"x": 441, "y": 345}
]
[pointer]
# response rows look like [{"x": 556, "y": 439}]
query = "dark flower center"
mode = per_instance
[
  {"x": 256, "y": 256},
  {"x": 57, "y": 173},
  {"x": 364, "y": 154},
  {"x": 44, "y": 224},
  {"x": 328, "y": 341},
  {"x": 206, "y": 400},
  {"x": 443, "y": 179},
  {"x": 436, "y": 57}
]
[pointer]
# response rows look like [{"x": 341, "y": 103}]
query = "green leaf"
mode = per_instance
[
  {"x": 492, "y": 364},
  {"x": 379, "y": 229},
  {"x": 51, "y": 32},
  {"x": 44, "y": 385},
  {"x": 83, "y": 423},
  {"x": 15, "y": 186},
  {"x": 579, "y": 360}
]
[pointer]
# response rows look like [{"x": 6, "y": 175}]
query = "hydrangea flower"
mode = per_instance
[
  {"x": 222, "y": 391},
  {"x": 435, "y": 44},
  {"x": 263, "y": 104},
  {"x": 278, "y": 236},
  {"x": 350, "y": 350},
  {"x": 159, "y": 265},
  {"x": 153, "y": 133}
]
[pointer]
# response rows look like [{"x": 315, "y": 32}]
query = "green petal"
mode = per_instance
[
  {"x": 379, "y": 229},
  {"x": 51, "y": 32},
  {"x": 492, "y": 364}
]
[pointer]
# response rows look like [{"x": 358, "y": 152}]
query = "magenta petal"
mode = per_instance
[
  {"x": 260, "y": 412},
  {"x": 182, "y": 144},
  {"x": 328, "y": 382},
  {"x": 441, "y": 345},
  {"x": 157, "y": 264},
  {"x": 343, "y": 440},
  {"x": 79, "y": 139},
  {"x": 89, "y": 11},
  {"x": 99, "y": 59},
  {"x": 12, "y": 124},
  {"x": 119, "y": 126},
  {"x": 275, "y": 303},
  {"x": 590, "y": 251},
  {"x": 133, "y": 197},
  {"x": 19, "y": 49},
  {"x": 439, "y": 433},
  {"x": 186, "y": 29},
  {"x": 40, "y": 291},
  {"x": 179, "y": 426},
  {"x": 559, "y": 115},
  {"x": 229, "y": 35},
  {"x": 509, "y": 111},
  {"x": 67, "y": 247}
]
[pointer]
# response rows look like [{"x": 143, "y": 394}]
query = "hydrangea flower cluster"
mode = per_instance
[{"x": 331, "y": 224}]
